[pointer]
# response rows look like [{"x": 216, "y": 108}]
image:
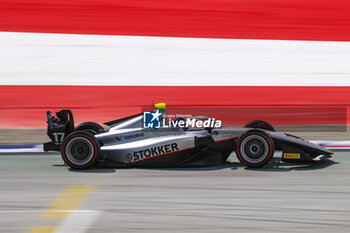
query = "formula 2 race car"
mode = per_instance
[{"x": 127, "y": 142}]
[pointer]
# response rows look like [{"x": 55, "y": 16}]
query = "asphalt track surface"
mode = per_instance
[{"x": 228, "y": 198}]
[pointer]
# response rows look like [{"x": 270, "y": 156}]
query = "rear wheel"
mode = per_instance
[
  {"x": 254, "y": 149},
  {"x": 80, "y": 150},
  {"x": 91, "y": 127},
  {"x": 260, "y": 125}
]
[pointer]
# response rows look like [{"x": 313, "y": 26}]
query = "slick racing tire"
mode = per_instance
[
  {"x": 91, "y": 127},
  {"x": 255, "y": 148},
  {"x": 260, "y": 125},
  {"x": 80, "y": 150}
]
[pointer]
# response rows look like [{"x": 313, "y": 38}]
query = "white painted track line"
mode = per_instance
[{"x": 78, "y": 221}]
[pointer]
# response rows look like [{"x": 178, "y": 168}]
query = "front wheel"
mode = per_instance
[
  {"x": 254, "y": 148},
  {"x": 80, "y": 150},
  {"x": 260, "y": 125}
]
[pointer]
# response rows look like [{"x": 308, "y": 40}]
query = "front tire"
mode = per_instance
[
  {"x": 254, "y": 149},
  {"x": 260, "y": 125},
  {"x": 80, "y": 150}
]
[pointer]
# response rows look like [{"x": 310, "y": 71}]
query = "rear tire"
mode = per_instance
[
  {"x": 80, "y": 150},
  {"x": 91, "y": 127},
  {"x": 260, "y": 125},
  {"x": 254, "y": 148}
]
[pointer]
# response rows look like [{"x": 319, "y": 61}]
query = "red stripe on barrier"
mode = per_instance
[
  {"x": 25, "y": 106},
  {"x": 256, "y": 19}
]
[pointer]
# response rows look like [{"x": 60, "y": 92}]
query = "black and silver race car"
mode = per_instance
[{"x": 125, "y": 142}]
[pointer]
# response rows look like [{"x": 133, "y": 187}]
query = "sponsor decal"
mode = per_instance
[
  {"x": 128, "y": 157},
  {"x": 291, "y": 156},
  {"x": 129, "y": 136},
  {"x": 151, "y": 152},
  {"x": 136, "y": 135}
]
